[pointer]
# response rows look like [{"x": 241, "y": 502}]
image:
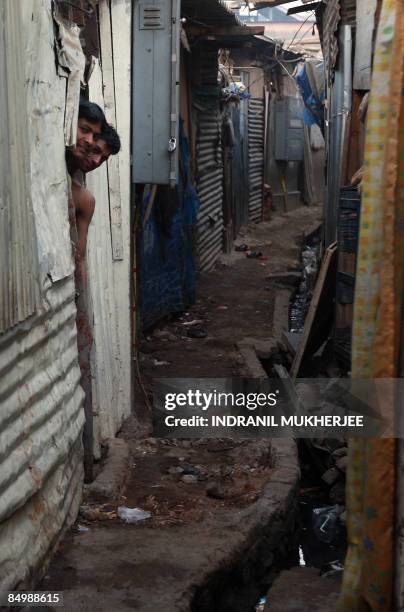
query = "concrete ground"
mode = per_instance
[
  {"x": 302, "y": 589},
  {"x": 198, "y": 552}
]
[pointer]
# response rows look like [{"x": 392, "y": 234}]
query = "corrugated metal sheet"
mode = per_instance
[
  {"x": 41, "y": 415},
  {"x": 18, "y": 269},
  {"x": 338, "y": 129},
  {"x": 210, "y": 189},
  {"x": 41, "y": 422},
  {"x": 349, "y": 11},
  {"x": 209, "y": 161},
  {"x": 256, "y": 133},
  {"x": 330, "y": 22}
]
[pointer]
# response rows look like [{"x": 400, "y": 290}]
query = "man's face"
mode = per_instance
[
  {"x": 99, "y": 154},
  {"x": 87, "y": 133}
]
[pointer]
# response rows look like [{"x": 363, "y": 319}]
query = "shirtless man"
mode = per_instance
[{"x": 96, "y": 141}]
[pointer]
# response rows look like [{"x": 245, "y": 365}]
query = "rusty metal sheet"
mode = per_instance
[
  {"x": 41, "y": 415},
  {"x": 331, "y": 19},
  {"x": 18, "y": 269},
  {"x": 46, "y": 98},
  {"x": 256, "y": 132}
]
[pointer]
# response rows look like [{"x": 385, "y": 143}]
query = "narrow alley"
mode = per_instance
[
  {"x": 208, "y": 497},
  {"x": 202, "y": 313}
]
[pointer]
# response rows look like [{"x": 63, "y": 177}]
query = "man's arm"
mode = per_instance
[{"x": 85, "y": 204}]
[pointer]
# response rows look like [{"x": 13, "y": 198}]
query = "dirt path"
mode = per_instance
[
  {"x": 234, "y": 300},
  {"x": 158, "y": 565}
]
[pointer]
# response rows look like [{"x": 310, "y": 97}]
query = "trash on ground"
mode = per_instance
[
  {"x": 98, "y": 513},
  {"x": 242, "y": 248},
  {"x": 256, "y": 255},
  {"x": 191, "y": 323},
  {"x": 82, "y": 529},
  {"x": 335, "y": 567},
  {"x": 197, "y": 332},
  {"x": 132, "y": 515},
  {"x": 158, "y": 363},
  {"x": 326, "y": 522}
]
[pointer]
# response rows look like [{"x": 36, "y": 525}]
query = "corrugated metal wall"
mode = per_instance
[
  {"x": 256, "y": 148},
  {"x": 240, "y": 183},
  {"x": 41, "y": 422},
  {"x": 210, "y": 189},
  {"x": 41, "y": 416},
  {"x": 209, "y": 161},
  {"x": 18, "y": 268}
]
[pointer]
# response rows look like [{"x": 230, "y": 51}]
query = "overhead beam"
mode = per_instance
[
  {"x": 238, "y": 31},
  {"x": 303, "y": 9},
  {"x": 270, "y": 3}
]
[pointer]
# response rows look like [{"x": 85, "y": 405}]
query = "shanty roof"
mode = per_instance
[
  {"x": 216, "y": 22},
  {"x": 209, "y": 13}
]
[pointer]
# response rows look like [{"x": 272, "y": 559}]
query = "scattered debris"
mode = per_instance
[
  {"x": 242, "y": 248},
  {"x": 256, "y": 255},
  {"x": 197, "y": 332},
  {"x": 335, "y": 567},
  {"x": 189, "y": 478},
  {"x": 192, "y": 323},
  {"x": 158, "y": 363},
  {"x": 132, "y": 515},
  {"x": 82, "y": 529},
  {"x": 98, "y": 513},
  {"x": 222, "y": 307},
  {"x": 325, "y": 522}
]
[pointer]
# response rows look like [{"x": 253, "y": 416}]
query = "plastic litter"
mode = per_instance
[
  {"x": 242, "y": 248},
  {"x": 192, "y": 323},
  {"x": 326, "y": 522},
  {"x": 132, "y": 515},
  {"x": 335, "y": 567},
  {"x": 157, "y": 363},
  {"x": 82, "y": 529}
]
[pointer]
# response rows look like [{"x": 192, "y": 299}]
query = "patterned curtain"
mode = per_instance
[{"x": 378, "y": 321}]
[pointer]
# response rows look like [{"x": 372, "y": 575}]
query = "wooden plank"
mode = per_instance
[
  {"x": 327, "y": 265},
  {"x": 365, "y": 23},
  {"x": 306, "y": 8},
  {"x": 121, "y": 17},
  {"x": 110, "y": 113}
]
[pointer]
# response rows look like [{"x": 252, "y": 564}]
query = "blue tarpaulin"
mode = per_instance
[
  {"x": 313, "y": 111},
  {"x": 165, "y": 246}
]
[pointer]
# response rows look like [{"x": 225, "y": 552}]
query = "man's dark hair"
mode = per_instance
[
  {"x": 110, "y": 135},
  {"x": 92, "y": 112}
]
